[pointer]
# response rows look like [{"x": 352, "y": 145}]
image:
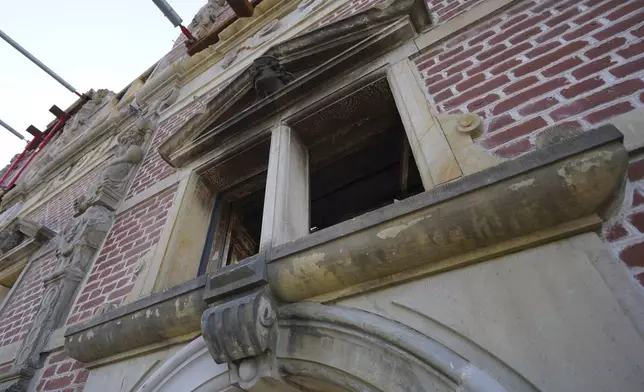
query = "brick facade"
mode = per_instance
[
  {"x": 541, "y": 63},
  {"x": 153, "y": 168},
  {"x": 538, "y": 63},
  {"x": 134, "y": 233},
  {"x": 625, "y": 232},
  {"x": 19, "y": 313},
  {"x": 57, "y": 211},
  {"x": 62, "y": 374}
]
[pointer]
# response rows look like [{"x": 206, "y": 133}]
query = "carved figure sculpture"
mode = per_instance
[
  {"x": 85, "y": 230},
  {"x": 111, "y": 184},
  {"x": 269, "y": 76},
  {"x": 79, "y": 241},
  {"x": 207, "y": 15}
]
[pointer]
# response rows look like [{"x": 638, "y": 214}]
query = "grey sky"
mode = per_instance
[{"x": 89, "y": 43}]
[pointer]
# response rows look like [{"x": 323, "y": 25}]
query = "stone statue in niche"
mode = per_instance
[
  {"x": 82, "y": 236},
  {"x": 269, "y": 76},
  {"x": 112, "y": 182},
  {"x": 206, "y": 16}
]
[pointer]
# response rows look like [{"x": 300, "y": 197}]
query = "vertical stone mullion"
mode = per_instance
[{"x": 286, "y": 202}]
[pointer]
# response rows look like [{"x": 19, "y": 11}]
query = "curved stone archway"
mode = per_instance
[
  {"x": 362, "y": 351},
  {"x": 191, "y": 369},
  {"x": 324, "y": 348}
]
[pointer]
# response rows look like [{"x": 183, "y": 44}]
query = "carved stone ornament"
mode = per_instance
[
  {"x": 78, "y": 242},
  {"x": 19, "y": 238},
  {"x": 110, "y": 187},
  {"x": 239, "y": 328},
  {"x": 206, "y": 16},
  {"x": 269, "y": 76},
  {"x": 316, "y": 347}
]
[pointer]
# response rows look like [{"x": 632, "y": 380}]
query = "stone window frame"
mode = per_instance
[{"x": 443, "y": 149}]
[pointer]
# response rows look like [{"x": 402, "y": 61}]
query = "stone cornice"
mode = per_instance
[
  {"x": 34, "y": 235},
  {"x": 561, "y": 183},
  {"x": 524, "y": 198}
]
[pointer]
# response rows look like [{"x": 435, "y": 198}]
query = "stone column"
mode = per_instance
[
  {"x": 286, "y": 202},
  {"x": 432, "y": 152}
]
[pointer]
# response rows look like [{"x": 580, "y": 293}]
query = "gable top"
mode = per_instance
[{"x": 306, "y": 61}]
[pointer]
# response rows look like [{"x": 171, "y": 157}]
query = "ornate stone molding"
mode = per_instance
[
  {"x": 319, "y": 348},
  {"x": 98, "y": 121},
  {"x": 18, "y": 240},
  {"x": 78, "y": 242},
  {"x": 230, "y": 39},
  {"x": 239, "y": 328},
  {"x": 316, "y": 57}
]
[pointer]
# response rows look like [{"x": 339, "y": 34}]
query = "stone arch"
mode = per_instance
[
  {"x": 191, "y": 369},
  {"x": 362, "y": 351},
  {"x": 322, "y": 348}
]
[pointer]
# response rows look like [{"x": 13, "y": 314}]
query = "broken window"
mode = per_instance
[
  {"x": 236, "y": 221},
  {"x": 359, "y": 157}
]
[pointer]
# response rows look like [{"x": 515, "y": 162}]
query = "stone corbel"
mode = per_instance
[{"x": 240, "y": 329}]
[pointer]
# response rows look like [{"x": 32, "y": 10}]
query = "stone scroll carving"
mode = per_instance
[
  {"x": 78, "y": 242},
  {"x": 238, "y": 336}
]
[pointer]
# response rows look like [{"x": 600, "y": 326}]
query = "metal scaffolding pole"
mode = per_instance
[
  {"x": 38, "y": 63},
  {"x": 8, "y": 128}
]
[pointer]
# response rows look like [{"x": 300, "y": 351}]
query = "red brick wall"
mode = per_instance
[
  {"x": 348, "y": 9},
  {"x": 538, "y": 64},
  {"x": 57, "y": 211},
  {"x": 134, "y": 233},
  {"x": 62, "y": 374},
  {"x": 18, "y": 314},
  {"x": 625, "y": 232},
  {"x": 153, "y": 168},
  {"x": 444, "y": 9},
  {"x": 447, "y": 9}
]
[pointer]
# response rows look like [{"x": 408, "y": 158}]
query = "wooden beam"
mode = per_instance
[{"x": 242, "y": 8}]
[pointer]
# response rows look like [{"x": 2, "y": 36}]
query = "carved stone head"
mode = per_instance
[{"x": 269, "y": 76}]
